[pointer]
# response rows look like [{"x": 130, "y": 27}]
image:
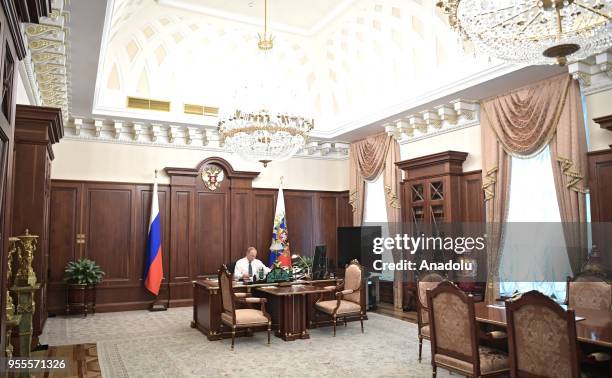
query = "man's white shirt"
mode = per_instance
[{"x": 242, "y": 267}]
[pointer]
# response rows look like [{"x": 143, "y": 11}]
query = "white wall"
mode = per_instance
[
  {"x": 598, "y": 105},
  {"x": 463, "y": 140},
  {"x": 21, "y": 96},
  {"x": 78, "y": 160}
]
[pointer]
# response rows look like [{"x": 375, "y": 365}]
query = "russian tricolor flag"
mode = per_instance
[{"x": 153, "y": 272}]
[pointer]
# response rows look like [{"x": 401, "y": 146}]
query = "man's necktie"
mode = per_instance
[{"x": 250, "y": 269}]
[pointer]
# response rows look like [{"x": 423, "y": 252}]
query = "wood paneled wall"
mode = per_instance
[
  {"x": 202, "y": 229},
  {"x": 600, "y": 185}
]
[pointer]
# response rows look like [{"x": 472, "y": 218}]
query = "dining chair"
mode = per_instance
[
  {"x": 589, "y": 292},
  {"x": 349, "y": 296},
  {"x": 454, "y": 335},
  {"x": 428, "y": 281},
  {"x": 243, "y": 317},
  {"x": 541, "y": 337}
]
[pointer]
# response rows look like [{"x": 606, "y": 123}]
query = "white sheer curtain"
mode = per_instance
[
  {"x": 529, "y": 259},
  {"x": 375, "y": 213}
]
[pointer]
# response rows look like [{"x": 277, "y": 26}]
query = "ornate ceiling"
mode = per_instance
[{"x": 374, "y": 54}]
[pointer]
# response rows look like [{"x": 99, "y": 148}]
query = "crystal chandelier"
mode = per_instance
[
  {"x": 254, "y": 131},
  {"x": 533, "y": 31}
]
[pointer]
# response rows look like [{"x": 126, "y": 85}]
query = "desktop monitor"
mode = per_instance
[
  {"x": 319, "y": 262},
  {"x": 357, "y": 243}
]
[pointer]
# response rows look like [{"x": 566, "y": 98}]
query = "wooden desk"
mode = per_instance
[
  {"x": 288, "y": 306},
  {"x": 207, "y": 305},
  {"x": 595, "y": 329}
]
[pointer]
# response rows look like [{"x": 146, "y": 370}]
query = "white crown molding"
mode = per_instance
[
  {"x": 172, "y": 135},
  {"x": 594, "y": 74},
  {"x": 26, "y": 72},
  {"x": 257, "y": 21}
]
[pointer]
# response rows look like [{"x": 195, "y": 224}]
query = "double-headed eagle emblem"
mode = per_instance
[{"x": 212, "y": 177}]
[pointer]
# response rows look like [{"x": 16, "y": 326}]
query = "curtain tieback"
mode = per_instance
[
  {"x": 488, "y": 183},
  {"x": 573, "y": 175},
  {"x": 353, "y": 198},
  {"x": 392, "y": 198}
]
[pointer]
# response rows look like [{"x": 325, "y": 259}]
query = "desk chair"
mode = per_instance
[
  {"x": 349, "y": 298},
  {"x": 241, "y": 318},
  {"x": 428, "y": 281}
]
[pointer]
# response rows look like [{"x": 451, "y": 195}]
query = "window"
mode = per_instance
[
  {"x": 528, "y": 261},
  {"x": 375, "y": 213}
]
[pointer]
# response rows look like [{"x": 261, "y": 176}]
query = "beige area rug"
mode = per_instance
[{"x": 161, "y": 344}]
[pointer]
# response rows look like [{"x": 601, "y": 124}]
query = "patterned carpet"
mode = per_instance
[
  {"x": 161, "y": 344},
  {"x": 82, "y": 361}
]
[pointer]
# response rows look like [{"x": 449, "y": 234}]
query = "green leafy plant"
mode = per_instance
[
  {"x": 83, "y": 272},
  {"x": 303, "y": 263}
]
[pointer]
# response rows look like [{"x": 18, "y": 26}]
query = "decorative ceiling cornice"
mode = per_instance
[
  {"x": 143, "y": 133},
  {"x": 47, "y": 63},
  {"x": 452, "y": 116},
  {"x": 593, "y": 74}
]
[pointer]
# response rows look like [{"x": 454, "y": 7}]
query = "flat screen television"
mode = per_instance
[
  {"x": 319, "y": 262},
  {"x": 357, "y": 243}
]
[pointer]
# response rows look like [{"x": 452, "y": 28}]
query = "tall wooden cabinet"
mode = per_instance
[
  {"x": 435, "y": 191},
  {"x": 36, "y": 130}
]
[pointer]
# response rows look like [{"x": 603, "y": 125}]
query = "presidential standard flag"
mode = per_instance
[
  {"x": 153, "y": 272},
  {"x": 279, "y": 230}
]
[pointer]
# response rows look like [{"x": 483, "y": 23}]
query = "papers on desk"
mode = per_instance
[
  {"x": 269, "y": 287},
  {"x": 497, "y": 305}
]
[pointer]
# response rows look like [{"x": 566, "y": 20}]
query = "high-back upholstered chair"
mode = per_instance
[
  {"x": 424, "y": 283},
  {"x": 541, "y": 337},
  {"x": 241, "y": 318},
  {"x": 589, "y": 292},
  {"x": 349, "y": 298},
  {"x": 454, "y": 335}
]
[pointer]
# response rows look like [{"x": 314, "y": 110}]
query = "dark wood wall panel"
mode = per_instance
[
  {"x": 299, "y": 211},
  {"x": 109, "y": 232},
  {"x": 600, "y": 184},
  {"x": 211, "y": 234},
  {"x": 201, "y": 230},
  {"x": 181, "y": 240},
  {"x": 472, "y": 203},
  {"x": 265, "y": 202},
  {"x": 326, "y": 227}
]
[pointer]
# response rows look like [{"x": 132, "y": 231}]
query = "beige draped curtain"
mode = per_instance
[
  {"x": 369, "y": 158},
  {"x": 521, "y": 124}
]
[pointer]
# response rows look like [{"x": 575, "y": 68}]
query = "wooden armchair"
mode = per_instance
[
  {"x": 349, "y": 296},
  {"x": 240, "y": 318},
  {"x": 428, "y": 281},
  {"x": 454, "y": 335},
  {"x": 541, "y": 337}
]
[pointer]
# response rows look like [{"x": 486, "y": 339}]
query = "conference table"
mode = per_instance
[{"x": 595, "y": 329}]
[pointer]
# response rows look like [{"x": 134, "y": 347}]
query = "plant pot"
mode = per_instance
[{"x": 80, "y": 298}]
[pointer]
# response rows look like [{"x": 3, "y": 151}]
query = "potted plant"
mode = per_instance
[{"x": 81, "y": 278}]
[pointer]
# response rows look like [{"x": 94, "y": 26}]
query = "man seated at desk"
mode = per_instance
[{"x": 249, "y": 266}]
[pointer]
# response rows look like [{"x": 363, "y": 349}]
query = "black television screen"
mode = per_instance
[
  {"x": 319, "y": 263},
  {"x": 357, "y": 243}
]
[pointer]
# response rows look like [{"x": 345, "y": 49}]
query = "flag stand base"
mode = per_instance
[{"x": 157, "y": 307}]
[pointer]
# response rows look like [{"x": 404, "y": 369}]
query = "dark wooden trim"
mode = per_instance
[
  {"x": 448, "y": 162},
  {"x": 30, "y": 11},
  {"x": 14, "y": 25},
  {"x": 604, "y": 122}
]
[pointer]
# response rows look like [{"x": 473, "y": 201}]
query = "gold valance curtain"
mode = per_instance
[
  {"x": 521, "y": 124},
  {"x": 368, "y": 158}
]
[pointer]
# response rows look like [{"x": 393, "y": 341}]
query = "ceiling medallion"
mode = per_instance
[
  {"x": 212, "y": 177},
  {"x": 533, "y": 31},
  {"x": 253, "y": 130}
]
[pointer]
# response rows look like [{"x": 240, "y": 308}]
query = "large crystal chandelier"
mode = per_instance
[
  {"x": 533, "y": 31},
  {"x": 261, "y": 127}
]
